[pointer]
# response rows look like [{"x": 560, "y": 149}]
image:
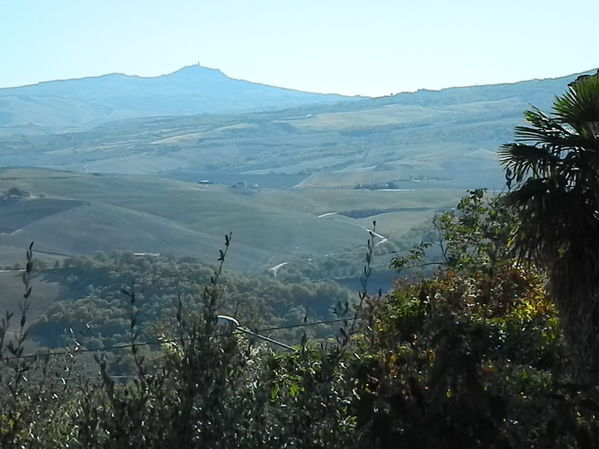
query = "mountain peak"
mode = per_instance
[
  {"x": 193, "y": 89},
  {"x": 195, "y": 69}
]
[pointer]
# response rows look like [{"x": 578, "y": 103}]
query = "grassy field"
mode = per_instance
[
  {"x": 17, "y": 213},
  {"x": 153, "y": 214}
]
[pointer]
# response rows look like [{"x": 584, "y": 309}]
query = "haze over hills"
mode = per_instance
[
  {"x": 191, "y": 90},
  {"x": 305, "y": 178},
  {"x": 79, "y": 103},
  {"x": 441, "y": 139}
]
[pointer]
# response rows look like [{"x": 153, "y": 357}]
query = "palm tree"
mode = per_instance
[{"x": 555, "y": 162}]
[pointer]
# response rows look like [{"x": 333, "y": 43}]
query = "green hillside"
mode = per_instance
[{"x": 159, "y": 215}]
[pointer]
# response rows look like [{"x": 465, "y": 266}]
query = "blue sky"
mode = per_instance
[{"x": 373, "y": 47}]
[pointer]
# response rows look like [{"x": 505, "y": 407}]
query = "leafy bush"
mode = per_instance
[{"x": 471, "y": 357}]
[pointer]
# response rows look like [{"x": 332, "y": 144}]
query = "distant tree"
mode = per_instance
[
  {"x": 15, "y": 192},
  {"x": 555, "y": 162}
]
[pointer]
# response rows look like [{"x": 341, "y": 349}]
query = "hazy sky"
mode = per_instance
[{"x": 370, "y": 47}]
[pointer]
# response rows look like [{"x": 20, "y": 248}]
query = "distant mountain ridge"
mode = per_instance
[
  {"x": 77, "y": 104},
  {"x": 95, "y": 100},
  {"x": 437, "y": 139}
]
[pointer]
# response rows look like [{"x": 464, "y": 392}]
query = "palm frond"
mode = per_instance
[
  {"x": 557, "y": 140},
  {"x": 525, "y": 159},
  {"x": 580, "y": 104},
  {"x": 557, "y": 206}
]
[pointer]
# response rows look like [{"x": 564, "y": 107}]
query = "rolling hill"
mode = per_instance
[
  {"x": 168, "y": 165},
  {"x": 58, "y": 105},
  {"x": 306, "y": 178},
  {"x": 72, "y": 213},
  {"x": 426, "y": 139}
]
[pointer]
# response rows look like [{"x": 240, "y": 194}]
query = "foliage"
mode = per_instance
[
  {"x": 471, "y": 352},
  {"x": 92, "y": 308},
  {"x": 473, "y": 236},
  {"x": 555, "y": 162},
  {"x": 209, "y": 387},
  {"x": 469, "y": 357}
]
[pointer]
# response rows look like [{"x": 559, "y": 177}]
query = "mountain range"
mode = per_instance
[
  {"x": 197, "y": 123},
  {"x": 191, "y": 90}
]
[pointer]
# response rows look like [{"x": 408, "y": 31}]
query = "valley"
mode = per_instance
[{"x": 164, "y": 167}]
